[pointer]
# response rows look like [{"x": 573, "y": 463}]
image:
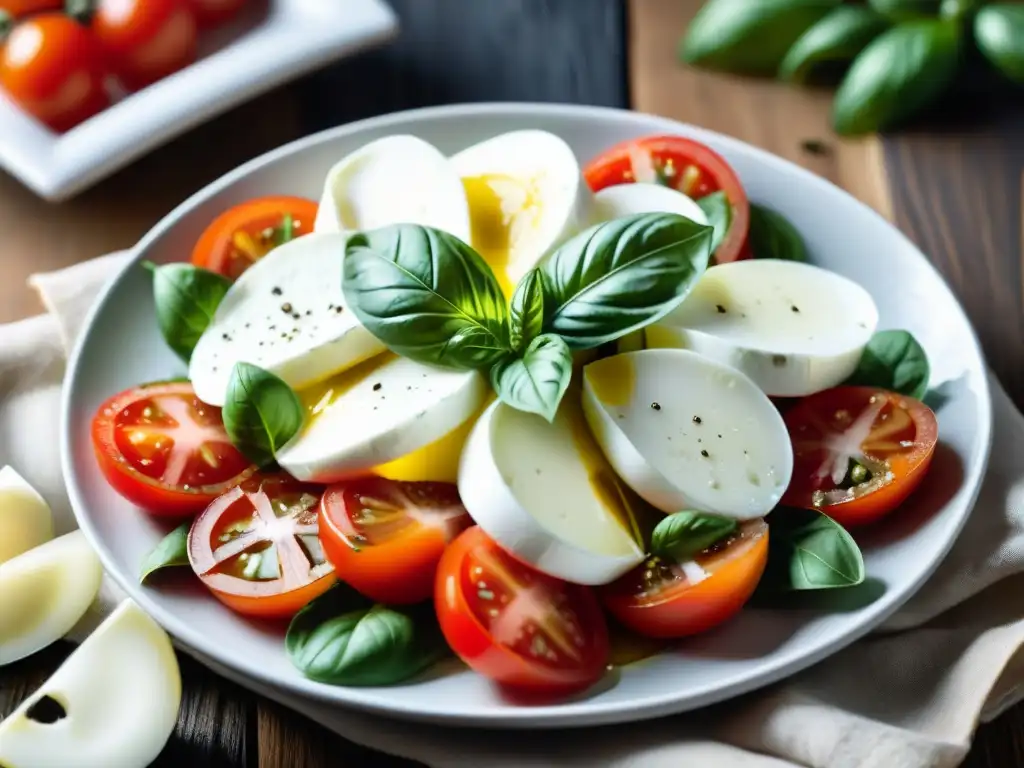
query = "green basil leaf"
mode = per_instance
[
  {"x": 341, "y": 640},
  {"x": 900, "y": 72},
  {"x": 427, "y": 296},
  {"x": 773, "y": 237},
  {"x": 170, "y": 552},
  {"x": 906, "y": 10},
  {"x": 261, "y": 412},
  {"x": 718, "y": 209},
  {"x": 749, "y": 36},
  {"x": 186, "y": 298},
  {"x": 999, "y": 32},
  {"x": 681, "y": 536},
  {"x": 527, "y": 310},
  {"x": 535, "y": 382},
  {"x": 893, "y": 360},
  {"x": 809, "y": 550},
  {"x": 825, "y": 50},
  {"x": 621, "y": 275}
]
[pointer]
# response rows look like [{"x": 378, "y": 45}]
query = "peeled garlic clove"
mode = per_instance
[{"x": 25, "y": 518}]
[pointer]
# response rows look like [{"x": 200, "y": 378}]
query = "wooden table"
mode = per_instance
[{"x": 955, "y": 188}]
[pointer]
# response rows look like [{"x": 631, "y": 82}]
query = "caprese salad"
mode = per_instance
[{"x": 500, "y": 405}]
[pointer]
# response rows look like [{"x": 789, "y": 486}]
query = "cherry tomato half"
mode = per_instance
[
  {"x": 246, "y": 233},
  {"x": 385, "y": 538},
  {"x": 659, "y": 599},
  {"x": 19, "y": 8},
  {"x": 519, "y": 627},
  {"x": 210, "y": 13},
  {"x": 256, "y": 547},
  {"x": 858, "y": 452},
  {"x": 683, "y": 164},
  {"x": 54, "y": 70},
  {"x": 146, "y": 40},
  {"x": 163, "y": 449}
]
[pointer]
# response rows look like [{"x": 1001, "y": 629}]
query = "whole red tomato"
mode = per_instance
[{"x": 146, "y": 40}]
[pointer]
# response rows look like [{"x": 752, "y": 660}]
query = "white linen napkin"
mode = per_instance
[{"x": 907, "y": 698}]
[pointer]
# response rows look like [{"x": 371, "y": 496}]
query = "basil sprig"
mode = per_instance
[
  {"x": 340, "y": 638},
  {"x": 999, "y": 31},
  {"x": 683, "y": 535},
  {"x": 808, "y": 550},
  {"x": 186, "y": 299},
  {"x": 261, "y": 412},
  {"x": 773, "y": 237},
  {"x": 527, "y": 310},
  {"x": 827, "y": 48},
  {"x": 906, "y": 10},
  {"x": 893, "y": 360},
  {"x": 535, "y": 381},
  {"x": 718, "y": 209},
  {"x": 172, "y": 551}
]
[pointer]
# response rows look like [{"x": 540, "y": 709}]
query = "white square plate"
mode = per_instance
[{"x": 275, "y": 41}]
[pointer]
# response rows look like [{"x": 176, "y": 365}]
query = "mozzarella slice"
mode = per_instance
[
  {"x": 380, "y": 411},
  {"x": 526, "y": 195},
  {"x": 43, "y": 594},
  {"x": 119, "y": 694},
  {"x": 686, "y": 432},
  {"x": 286, "y": 314},
  {"x": 25, "y": 518},
  {"x": 544, "y": 493},
  {"x": 795, "y": 329},
  {"x": 627, "y": 199},
  {"x": 394, "y": 180}
]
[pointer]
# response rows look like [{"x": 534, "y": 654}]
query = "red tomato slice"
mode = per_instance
[
  {"x": 659, "y": 599},
  {"x": 162, "y": 448},
  {"x": 689, "y": 166},
  {"x": 256, "y": 547},
  {"x": 519, "y": 627},
  {"x": 385, "y": 538},
  {"x": 210, "y": 13},
  {"x": 858, "y": 452},
  {"x": 146, "y": 40},
  {"x": 246, "y": 233}
]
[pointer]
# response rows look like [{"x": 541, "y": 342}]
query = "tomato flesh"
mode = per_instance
[
  {"x": 163, "y": 449},
  {"x": 519, "y": 627},
  {"x": 210, "y": 13},
  {"x": 257, "y": 547},
  {"x": 669, "y": 600},
  {"x": 858, "y": 452},
  {"x": 146, "y": 40}
]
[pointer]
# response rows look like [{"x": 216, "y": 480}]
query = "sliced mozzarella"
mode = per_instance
[
  {"x": 795, "y": 329},
  {"x": 544, "y": 493},
  {"x": 25, "y": 518},
  {"x": 286, "y": 314},
  {"x": 43, "y": 594},
  {"x": 526, "y": 195},
  {"x": 115, "y": 701},
  {"x": 375, "y": 413},
  {"x": 686, "y": 432},
  {"x": 394, "y": 180},
  {"x": 627, "y": 199}
]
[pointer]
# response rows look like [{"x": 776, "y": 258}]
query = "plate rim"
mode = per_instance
[{"x": 546, "y": 716}]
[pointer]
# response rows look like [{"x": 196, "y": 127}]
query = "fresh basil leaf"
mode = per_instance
[
  {"x": 749, "y": 36},
  {"x": 999, "y": 32},
  {"x": 825, "y": 50},
  {"x": 186, "y": 298},
  {"x": 527, "y": 310},
  {"x": 900, "y": 72},
  {"x": 427, "y": 296},
  {"x": 683, "y": 535},
  {"x": 893, "y": 360},
  {"x": 773, "y": 237},
  {"x": 261, "y": 412},
  {"x": 341, "y": 640},
  {"x": 170, "y": 552},
  {"x": 718, "y": 209},
  {"x": 809, "y": 550},
  {"x": 535, "y": 382},
  {"x": 621, "y": 275},
  {"x": 906, "y": 10}
]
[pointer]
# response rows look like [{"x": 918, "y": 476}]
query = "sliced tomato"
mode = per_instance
[
  {"x": 256, "y": 547},
  {"x": 385, "y": 538},
  {"x": 19, "y": 8},
  {"x": 519, "y": 627},
  {"x": 163, "y": 449},
  {"x": 242, "y": 235},
  {"x": 210, "y": 13},
  {"x": 668, "y": 600},
  {"x": 146, "y": 40},
  {"x": 692, "y": 168},
  {"x": 858, "y": 452}
]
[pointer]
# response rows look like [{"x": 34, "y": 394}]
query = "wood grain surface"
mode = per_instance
[{"x": 955, "y": 188}]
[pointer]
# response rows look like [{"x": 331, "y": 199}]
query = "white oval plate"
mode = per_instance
[{"x": 121, "y": 347}]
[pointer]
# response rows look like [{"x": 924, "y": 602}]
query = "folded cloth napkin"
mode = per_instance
[{"x": 907, "y": 697}]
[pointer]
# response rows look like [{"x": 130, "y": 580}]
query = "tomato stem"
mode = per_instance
[{"x": 80, "y": 10}]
